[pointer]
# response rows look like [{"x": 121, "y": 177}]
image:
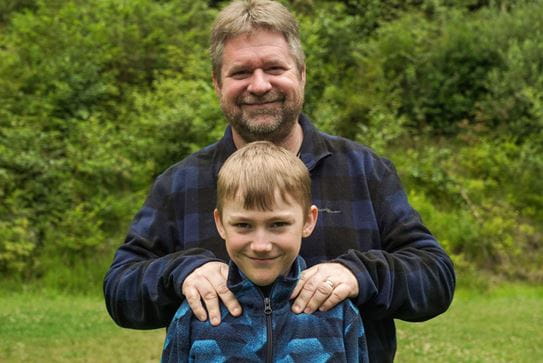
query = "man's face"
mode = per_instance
[
  {"x": 261, "y": 90},
  {"x": 264, "y": 244}
]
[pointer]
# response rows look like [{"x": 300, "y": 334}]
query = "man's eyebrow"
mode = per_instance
[
  {"x": 238, "y": 67},
  {"x": 266, "y": 63},
  {"x": 275, "y": 62}
]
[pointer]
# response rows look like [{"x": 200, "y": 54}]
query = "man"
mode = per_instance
[{"x": 369, "y": 245}]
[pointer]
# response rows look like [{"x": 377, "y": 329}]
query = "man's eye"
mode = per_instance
[
  {"x": 240, "y": 74},
  {"x": 275, "y": 70}
]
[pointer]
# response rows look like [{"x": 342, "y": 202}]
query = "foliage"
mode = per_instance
[
  {"x": 454, "y": 98},
  {"x": 73, "y": 153},
  {"x": 100, "y": 96}
]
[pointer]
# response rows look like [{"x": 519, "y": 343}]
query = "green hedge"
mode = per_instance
[{"x": 100, "y": 96}]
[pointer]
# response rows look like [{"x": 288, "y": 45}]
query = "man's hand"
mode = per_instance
[
  {"x": 208, "y": 283},
  {"x": 322, "y": 287}
]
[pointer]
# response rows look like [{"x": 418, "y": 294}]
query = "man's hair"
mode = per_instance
[
  {"x": 258, "y": 173},
  {"x": 246, "y": 16}
]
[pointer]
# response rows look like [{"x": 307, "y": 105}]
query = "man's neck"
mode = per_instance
[{"x": 293, "y": 142}]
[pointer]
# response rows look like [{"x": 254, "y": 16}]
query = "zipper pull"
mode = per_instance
[{"x": 267, "y": 306}]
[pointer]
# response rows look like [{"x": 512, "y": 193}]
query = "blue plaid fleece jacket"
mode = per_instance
[
  {"x": 365, "y": 223},
  {"x": 267, "y": 331}
]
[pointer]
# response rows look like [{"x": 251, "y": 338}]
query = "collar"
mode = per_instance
[
  {"x": 314, "y": 147},
  {"x": 250, "y": 296}
]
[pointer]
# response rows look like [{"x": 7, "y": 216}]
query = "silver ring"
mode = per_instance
[{"x": 329, "y": 282}]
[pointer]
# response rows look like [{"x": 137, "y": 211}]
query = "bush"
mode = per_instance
[
  {"x": 69, "y": 79},
  {"x": 100, "y": 96},
  {"x": 467, "y": 197}
]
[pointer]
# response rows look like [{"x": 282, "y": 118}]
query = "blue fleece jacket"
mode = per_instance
[{"x": 267, "y": 331}]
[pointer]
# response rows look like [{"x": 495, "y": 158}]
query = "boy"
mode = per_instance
[{"x": 263, "y": 212}]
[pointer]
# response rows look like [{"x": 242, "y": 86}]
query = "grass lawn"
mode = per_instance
[{"x": 504, "y": 325}]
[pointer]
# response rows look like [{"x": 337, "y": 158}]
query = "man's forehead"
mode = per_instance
[
  {"x": 256, "y": 33},
  {"x": 261, "y": 41},
  {"x": 256, "y": 57},
  {"x": 264, "y": 60}
]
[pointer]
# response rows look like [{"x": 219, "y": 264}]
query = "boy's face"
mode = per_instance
[{"x": 264, "y": 244}]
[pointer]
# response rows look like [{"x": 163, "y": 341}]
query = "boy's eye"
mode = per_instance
[
  {"x": 279, "y": 224},
  {"x": 242, "y": 225}
]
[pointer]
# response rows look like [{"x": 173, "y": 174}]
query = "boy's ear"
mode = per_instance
[
  {"x": 310, "y": 221},
  {"x": 218, "y": 223}
]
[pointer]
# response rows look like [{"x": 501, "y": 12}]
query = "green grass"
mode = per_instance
[
  {"x": 59, "y": 328},
  {"x": 503, "y": 325}
]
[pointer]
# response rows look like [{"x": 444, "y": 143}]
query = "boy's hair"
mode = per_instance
[
  {"x": 245, "y": 16},
  {"x": 260, "y": 170}
]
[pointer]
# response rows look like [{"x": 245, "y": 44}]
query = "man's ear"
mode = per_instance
[
  {"x": 216, "y": 84},
  {"x": 218, "y": 223},
  {"x": 310, "y": 221},
  {"x": 302, "y": 74}
]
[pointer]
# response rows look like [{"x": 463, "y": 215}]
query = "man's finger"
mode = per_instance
[
  {"x": 306, "y": 293},
  {"x": 322, "y": 292},
  {"x": 306, "y": 275},
  {"x": 340, "y": 293},
  {"x": 193, "y": 298},
  {"x": 211, "y": 300},
  {"x": 299, "y": 285},
  {"x": 227, "y": 297}
]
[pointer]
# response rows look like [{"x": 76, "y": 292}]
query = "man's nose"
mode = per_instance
[{"x": 260, "y": 83}]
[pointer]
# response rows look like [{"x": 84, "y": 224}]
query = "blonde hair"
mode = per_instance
[
  {"x": 245, "y": 16},
  {"x": 259, "y": 172}
]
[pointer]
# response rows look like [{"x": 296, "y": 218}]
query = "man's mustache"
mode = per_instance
[{"x": 258, "y": 100}]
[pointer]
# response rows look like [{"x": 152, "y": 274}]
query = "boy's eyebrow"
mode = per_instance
[{"x": 244, "y": 216}]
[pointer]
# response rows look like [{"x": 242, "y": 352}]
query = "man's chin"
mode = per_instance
[
  {"x": 262, "y": 119},
  {"x": 260, "y": 126}
]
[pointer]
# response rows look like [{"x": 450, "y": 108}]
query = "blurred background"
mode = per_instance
[{"x": 98, "y": 97}]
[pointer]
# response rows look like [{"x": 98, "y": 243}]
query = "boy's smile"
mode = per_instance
[{"x": 264, "y": 244}]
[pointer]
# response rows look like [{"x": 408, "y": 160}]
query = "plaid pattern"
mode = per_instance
[
  {"x": 365, "y": 223},
  {"x": 333, "y": 336}
]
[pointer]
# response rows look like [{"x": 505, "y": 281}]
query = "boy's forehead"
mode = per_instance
[
  {"x": 279, "y": 200},
  {"x": 236, "y": 208}
]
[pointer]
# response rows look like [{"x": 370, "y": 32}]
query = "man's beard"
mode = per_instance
[{"x": 280, "y": 118}]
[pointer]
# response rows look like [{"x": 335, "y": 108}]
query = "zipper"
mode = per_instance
[{"x": 268, "y": 313}]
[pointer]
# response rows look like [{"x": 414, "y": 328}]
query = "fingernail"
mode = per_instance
[
  {"x": 236, "y": 311},
  {"x": 297, "y": 309},
  {"x": 214, "y": 321}
]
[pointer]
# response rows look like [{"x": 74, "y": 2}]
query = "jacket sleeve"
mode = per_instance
[
  {"x": 410, "y": 277},
  {"x": 142, "y": 288},
  {"x": 356, "y": 347}
]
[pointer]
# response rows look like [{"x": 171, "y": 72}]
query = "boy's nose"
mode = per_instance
[
  {"x": 259, "y": 83},
  {"x": 261, "y": 243}
]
